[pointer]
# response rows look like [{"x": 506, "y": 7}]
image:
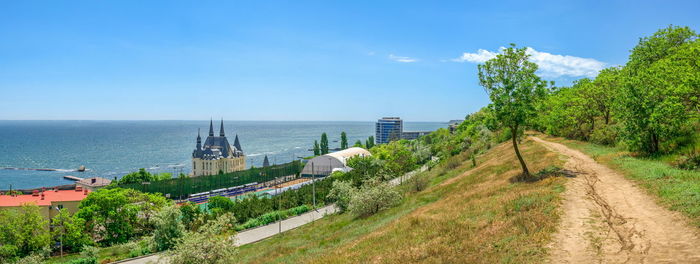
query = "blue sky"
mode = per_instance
[{"x": 297, "y": 60}]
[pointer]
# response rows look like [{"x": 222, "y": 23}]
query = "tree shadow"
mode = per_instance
[{"x": 551, "y": 171}]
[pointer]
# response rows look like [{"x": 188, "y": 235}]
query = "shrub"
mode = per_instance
[
  {"x": 341, "y": 192},
  {"x": 169, "y": 227},
  {"x": 604, "y": 135},
  {"x": 690, "y": 160},
  {"x": 372, "y": 198},
  {"x": 213, "y": 243},
  {"x": 418, "y": 183}
]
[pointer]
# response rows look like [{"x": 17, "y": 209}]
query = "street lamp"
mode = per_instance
[{"x": 62, "y": 231}]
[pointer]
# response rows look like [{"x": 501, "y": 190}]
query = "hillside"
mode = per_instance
[{"x": 466, "y": 215}]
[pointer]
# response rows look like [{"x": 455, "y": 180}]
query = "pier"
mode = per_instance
[{"x": 72, "y": 178}]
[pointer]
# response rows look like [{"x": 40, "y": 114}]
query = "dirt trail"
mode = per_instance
[{"x": 607, "y": 219}]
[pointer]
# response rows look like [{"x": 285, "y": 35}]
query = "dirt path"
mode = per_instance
[{"x": 607, "y": 219}]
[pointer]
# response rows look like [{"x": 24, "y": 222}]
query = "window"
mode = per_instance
[{"x": 59, "y": 207}]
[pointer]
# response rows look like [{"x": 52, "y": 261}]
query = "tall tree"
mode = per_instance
[
  {"x": 370, "y": 142},
  {"x": 343, "y": 140},
  {"x": 651, "y": 103},
  {"x": 358, "y": 144},
  {"x": 324, "y": 144},
  {"x": 317, "y": 149},
  {"x": 513, "y": 88}
]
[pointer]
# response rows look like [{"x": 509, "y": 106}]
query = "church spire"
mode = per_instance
[
  {"x": 266, "y": 162},
  {"x": 211, "y": 127},
  {"x": 221, "y": 131},
  {"x": 237, "y": 144},
  {"x": 199, "y": 140}
]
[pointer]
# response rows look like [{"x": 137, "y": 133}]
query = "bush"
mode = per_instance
[
  {"x": 169, "y": 227},
  {"x": 690, "y": 160},
  {"x": 418, "y": 183},
  {"x": 604, "y": 135},
  {"x": 341, "y": 193},
  {"x": 213, "y": 243},
  {"x": 372, "y": 198}
]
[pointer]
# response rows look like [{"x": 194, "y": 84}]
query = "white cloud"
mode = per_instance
[
  {"x": 550, "y": 65},
  {"x": 401, "y": 58}
]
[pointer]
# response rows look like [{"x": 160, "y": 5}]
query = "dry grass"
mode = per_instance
[{"x": 475, "y": 217}]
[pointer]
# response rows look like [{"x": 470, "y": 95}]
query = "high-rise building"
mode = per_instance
[{"x": 388, "y": 129}]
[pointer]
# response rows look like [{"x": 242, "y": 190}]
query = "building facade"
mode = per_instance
[
  {"x": 48, "y": 201},
  {"x": 388, "y": 129},
  {"x": 216, "y": 154}
]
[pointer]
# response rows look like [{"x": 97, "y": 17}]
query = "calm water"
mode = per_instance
[{"x": 113, "y": 148}]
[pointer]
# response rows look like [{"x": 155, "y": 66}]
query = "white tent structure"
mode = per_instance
[{"x": 326, "y": 164}]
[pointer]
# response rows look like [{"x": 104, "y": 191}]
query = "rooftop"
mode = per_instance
[{"x": 49, "y": 197}]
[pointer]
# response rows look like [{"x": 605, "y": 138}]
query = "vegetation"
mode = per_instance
[
  {"x": 513, "y": 87},
  {"x": 649, "y": 106},
  {"x": 143, "y": 176},
  {"x": 324, "y": 144},
  {"x": 343, "y": 140},
  {"x": 465, "y": 209},
  {"x": 22, "y": 232},
  {"x": 317, "y": 148},
  {"x": 210, "y": 244},
  {"x": 168, "y": 228},
  {"x": 373, "y": 197}
]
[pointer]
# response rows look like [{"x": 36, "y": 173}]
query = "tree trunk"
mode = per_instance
[
  {"x": 607, "y": 116},
  {"x": 514, "y": 135}
]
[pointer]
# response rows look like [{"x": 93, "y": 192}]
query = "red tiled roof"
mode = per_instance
[{"x": 49, "y": 196}]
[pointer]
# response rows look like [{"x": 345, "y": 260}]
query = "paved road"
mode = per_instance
[{"x": 263, "y": 232}]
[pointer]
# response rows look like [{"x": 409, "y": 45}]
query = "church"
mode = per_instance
[{"x": 217, "y": 155}]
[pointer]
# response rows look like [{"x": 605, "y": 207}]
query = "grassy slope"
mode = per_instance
[
  {"x": 467, "y": 215},
  {"x": 677, "y": 189}
]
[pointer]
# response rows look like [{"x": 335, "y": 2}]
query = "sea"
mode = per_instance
[{"x": 111, "y": 149}]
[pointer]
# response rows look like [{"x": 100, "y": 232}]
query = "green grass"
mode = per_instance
[
  {"x": 677, "y": 189},
  {"x": 467, "y": 215}
]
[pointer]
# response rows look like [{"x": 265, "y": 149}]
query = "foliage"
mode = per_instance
[
  {"x": 273, "y": 216},
  {"x": 358, "y": 144},
  {"x": 369, "y": 143},
  {"x": 372, "y": 198},
  {"x": 23, "y": 231},
  {"x": 117, "y": 215},
  {"x": 211, "y": 244},
  {"x": 192, "y": 216},
  {"x": 660, "y": 89},
  {"x": 513, "y": 88},
  {"x": 317, "y": 149},
  {"x": 418, "y": 183},
  {"x": 397, "y": 156},
  {"x": 69, "y": 229},
  {"x": 168, "y": 227},
  {"x": 324, "y": 144},
  {"x": 219, "y": 205},
  {"x": 143, "y": 176},
  {"x": 343, "y": 140},
  {"x": 341, "y": 193}
]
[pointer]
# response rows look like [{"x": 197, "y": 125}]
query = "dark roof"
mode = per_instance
[
  {"x": 237, "y": 144},
  {"x": 266, "y": 162},
  {"x": 216, "y": 147}
]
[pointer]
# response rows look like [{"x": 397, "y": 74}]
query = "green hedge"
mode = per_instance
[{"x": 180, "y": 188}]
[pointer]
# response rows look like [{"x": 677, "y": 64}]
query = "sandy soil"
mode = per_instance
[{"x": 607, "y": 219}]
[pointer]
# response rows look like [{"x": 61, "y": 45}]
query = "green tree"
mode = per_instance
[
  {"x": 652, "y": 106},
  {"x": 513, "y": 88},
  {"x": 213, "y": 243},
  {"x": 397, "y": 156},
  {"x": 369, "y": 143},
  {"x": 219, "y": 205},
  {"x": 68, "y": 229},
  {"x": 324, "y": 143},
  {"x": 317, "y": 149},
  {"x": 341, "y": 192},
  {"x": 372, "y": 198},
  {"x": 358, "y": 144},
  {"x": 192, "y": 215},
  {"x": 343, "y": 140},
  {"x": 137, "y": 177},
  {"x": 116, "y": 215},
  {"x": 169, "y": 227},
  {"x": 22, "y": 231}
]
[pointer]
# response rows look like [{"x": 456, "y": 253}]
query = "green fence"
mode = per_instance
[{"x": 180, "y": 188}]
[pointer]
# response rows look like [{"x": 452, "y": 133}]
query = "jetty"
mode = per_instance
[
  {"x": 72, "y": 178},
  {"x": 80, "y": 169}
]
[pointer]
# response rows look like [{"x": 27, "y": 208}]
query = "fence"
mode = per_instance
[{"x": 180, "y": 188}]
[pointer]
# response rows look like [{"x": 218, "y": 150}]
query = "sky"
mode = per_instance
[{"x": 297, "y": 60}]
